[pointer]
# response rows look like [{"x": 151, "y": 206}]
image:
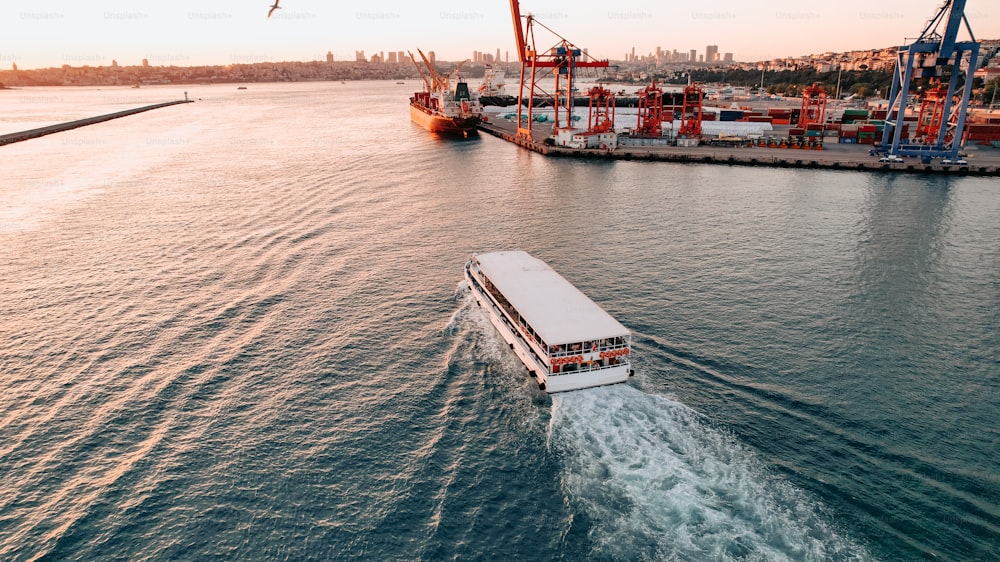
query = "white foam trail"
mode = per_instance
[
  {"x": 464, "y": 296},
  {"x": 657, "y": 483},
  {"x": 489, "y": 347}
]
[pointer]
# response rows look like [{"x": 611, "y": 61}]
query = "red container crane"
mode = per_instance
[
  {"x": 691, "y": 112},
  {"x": 813, "y": 105},
  {"x": 602, "y": 110},
  {"x": 650, "y": 111},
  {"x": 560, "y": 61},
  {"x": 931, "y": 114}
]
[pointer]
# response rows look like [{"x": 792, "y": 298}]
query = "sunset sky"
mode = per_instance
[{"x": 45, "y": 33}]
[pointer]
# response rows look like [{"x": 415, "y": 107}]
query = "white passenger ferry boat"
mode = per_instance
[{"x": 565, "y": 339}]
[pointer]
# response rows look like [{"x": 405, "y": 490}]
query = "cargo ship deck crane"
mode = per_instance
[
  {"x": 560, "y": 61},
  {"x": 937, "y": 56},
  {"x": 433, "y": 80}
]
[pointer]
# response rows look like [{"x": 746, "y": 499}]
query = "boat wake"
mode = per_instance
[{"x": 654, "y": 481}]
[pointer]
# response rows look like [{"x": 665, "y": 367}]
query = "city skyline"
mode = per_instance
[{"x": 185, "y": 33}]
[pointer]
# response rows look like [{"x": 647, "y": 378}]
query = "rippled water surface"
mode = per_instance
[{"x": 235, "y": 329}]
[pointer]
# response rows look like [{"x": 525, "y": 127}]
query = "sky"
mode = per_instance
[{"x": 44, "y": 33}]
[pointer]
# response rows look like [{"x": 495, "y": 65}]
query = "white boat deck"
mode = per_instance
[{"x": 558, "y": 312}]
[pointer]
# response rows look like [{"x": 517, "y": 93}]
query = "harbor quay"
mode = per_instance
[
  {"x": 982, "y": 161},
  {"x": 60, "y": 127}
]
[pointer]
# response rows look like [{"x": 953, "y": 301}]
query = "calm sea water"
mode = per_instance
[{"x": 235, "y": 329}]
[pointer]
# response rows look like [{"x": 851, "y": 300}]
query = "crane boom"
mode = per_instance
[
  {"x": 423, "y": 76},
  {"x": 515, "y": 11}
]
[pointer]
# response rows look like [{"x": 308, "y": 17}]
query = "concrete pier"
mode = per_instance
[
  {"x": 42, "y": 131},
  {"x": 833, "y": 156}
]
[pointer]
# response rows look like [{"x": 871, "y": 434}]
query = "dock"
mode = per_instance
[
  {"x": 832, "y": 157},
  {"x": 60, "y": 127}
]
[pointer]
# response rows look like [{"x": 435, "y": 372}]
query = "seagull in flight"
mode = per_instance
[{"x": 273, "y": 8}]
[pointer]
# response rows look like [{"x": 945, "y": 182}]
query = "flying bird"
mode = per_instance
[{"x": 273, "y": 8}]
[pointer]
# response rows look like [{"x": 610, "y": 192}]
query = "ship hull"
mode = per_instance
[{"x": 436, "y": 123}]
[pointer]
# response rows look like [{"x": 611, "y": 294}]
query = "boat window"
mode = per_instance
[{"x": 511, "y": 312}]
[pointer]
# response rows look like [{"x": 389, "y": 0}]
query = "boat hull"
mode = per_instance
[
  {"x": 548, "y": 381},
  {"x": 437, "y": 123}
]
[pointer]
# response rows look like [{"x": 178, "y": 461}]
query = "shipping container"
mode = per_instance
[{"x": 852, "y": 115}]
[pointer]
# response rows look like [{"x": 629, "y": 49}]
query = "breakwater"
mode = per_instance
[{"x": 60, "y": 127}]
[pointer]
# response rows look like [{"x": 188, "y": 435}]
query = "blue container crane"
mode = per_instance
[{"x": 936, "y": 56}]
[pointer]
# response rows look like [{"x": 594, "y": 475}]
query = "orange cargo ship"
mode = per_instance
[
  {"x": 439, "y": 109},
  {"x": 447, "y": 112}
]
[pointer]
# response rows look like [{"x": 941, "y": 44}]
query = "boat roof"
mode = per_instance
[{"x": 557, "y": 311}]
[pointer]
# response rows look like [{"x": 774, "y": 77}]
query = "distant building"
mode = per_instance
[
  {"x": 329, "y": 56},
  {"x": 13, "y": 66},
  {"x": 693, "y": 55},
  {"x": 400, "y": 56},
  {"x": 114, "y": 63},
  {"x": 392, "y": 58},
  {"x": 728, "y": 57},
  {"x": 711, "y": 53},
  {"x": 145, "y": 63},
  {"x": 359, "y": 56},
  {"x": 432, "y": 57}
]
